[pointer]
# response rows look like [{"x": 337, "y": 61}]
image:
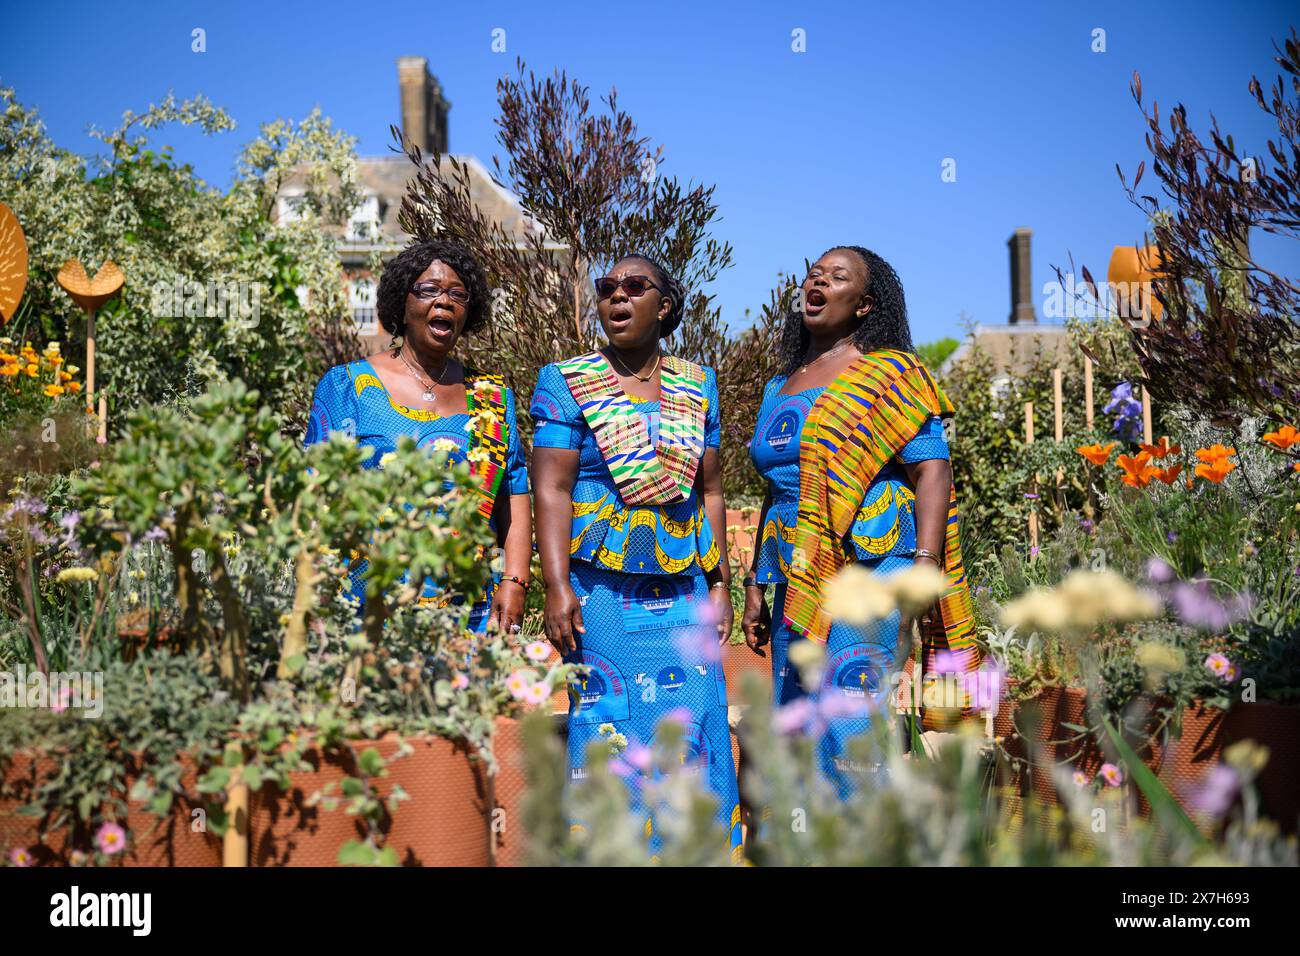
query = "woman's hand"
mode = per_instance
[
  {"x": 508, "y": 608},
  {"x": 757, "y": 620},
  {"x": 721, "y": 598},
  {"x": 563, "y": 618}
]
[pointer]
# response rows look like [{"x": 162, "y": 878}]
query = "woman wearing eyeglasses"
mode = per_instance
[
  {"x": 850, "y": 439},
  {"x": 630, "y": 516},
  {"x": 431, "y": 294}
]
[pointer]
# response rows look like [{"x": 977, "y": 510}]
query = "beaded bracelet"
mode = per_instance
[{"x": 510, "y": 577}]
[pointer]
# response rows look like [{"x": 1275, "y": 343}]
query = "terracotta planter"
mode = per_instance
[
  {"x": 444, "y": 823},
  {"x": 509, "y": 788},
  {"x": 1277, "y": 727},
  {"x": 152, "y": 841}
]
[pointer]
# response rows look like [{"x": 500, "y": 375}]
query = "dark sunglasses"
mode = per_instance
[
  {"x": 632, "y": 285},
  {"x": 431, "y": 290}
]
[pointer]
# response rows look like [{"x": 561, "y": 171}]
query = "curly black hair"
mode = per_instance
[
  {"x": 402, "y": 270},
  {"x": 884, "y": 327},
  {"x": 671, "y": 289}
]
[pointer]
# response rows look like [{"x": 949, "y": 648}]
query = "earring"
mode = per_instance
[{"x": 395, "y": 343}]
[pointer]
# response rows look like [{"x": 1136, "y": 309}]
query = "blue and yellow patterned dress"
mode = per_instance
[
  {"x": 639, "y": 575},
  {"x": 351, "y": 398},
  {"x": 882, "y": 539}
]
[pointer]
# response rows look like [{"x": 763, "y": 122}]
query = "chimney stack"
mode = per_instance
[
  {"x": 424, "y": 109},
  {"x": 1022, "y": 284}
]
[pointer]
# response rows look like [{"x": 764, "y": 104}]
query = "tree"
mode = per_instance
[
  {"x": 1228, "y": 341},
  {"x": 212, "y": 281}
]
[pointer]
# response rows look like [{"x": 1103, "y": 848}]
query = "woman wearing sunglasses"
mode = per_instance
[
  {"x": 630, "y": 517},
  {"x": 430, "y": 295},
  {"x": 850, "y": 439}
]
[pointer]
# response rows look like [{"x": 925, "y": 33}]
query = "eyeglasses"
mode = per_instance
[
  {"x": 431, "y": 290},
  {"x": 632, "y": 285}
]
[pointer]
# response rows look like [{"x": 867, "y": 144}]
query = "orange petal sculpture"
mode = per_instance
[
  {"x": 13, "y": 263},
  {"x": 1133, "y": 270},
  {"x": 90, "y": 293}
]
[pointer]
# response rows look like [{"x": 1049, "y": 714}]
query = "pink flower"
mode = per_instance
[
  {"x": 110, "y": 839},
  {"x": 1219, "y": 665},
  {"x": 1218, "y": 792},
  {"x": 65, "y": 695},
  {"x": 794, "y": 716},
  {"x": 519, "y": 682},
  {"x": 77, "y": 858},
  {"x": 1081, "y": 779},
  {"x": 538, "y": 651},
  {"x": 537, "y": 694},
  {"x": 20, "y": 856},
  {"x": 460, "y": 681},
  {"x": 639, "y": 756},
  {"x": 681, "y": 715},
  {"x": 1111, "y": 774}
]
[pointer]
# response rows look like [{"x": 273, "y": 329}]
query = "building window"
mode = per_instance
[
  {"x": 361, "y": 297},
  {"x": 363, "y": 224},
  {"x": 290, "y": 207}
]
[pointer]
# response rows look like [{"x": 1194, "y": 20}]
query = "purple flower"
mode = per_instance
[
  {"x": 795, "y": 716},
  {"x": 639, "y": 756},
  {"x": 1033, "y": 551},
  {"x": 1171, "y": 537},
  {"x": 1085, "y": 524},
  {"x": 681, "y": 715},
  {"x": 1031, "y": 496},
  {"x": 1158, "y": 571},
  {"x": 833, "y": 703},
  {"x": 1196, "y": 605},
  {"x": 156, "y": 533},
  {"x": 1220, "y": 788}
]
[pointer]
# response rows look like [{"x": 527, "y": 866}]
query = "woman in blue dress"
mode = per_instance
[
  {"x": 853, "y": 323},
  {"x": 429, "y": 296},
  {"x": 630, "y": 516}
]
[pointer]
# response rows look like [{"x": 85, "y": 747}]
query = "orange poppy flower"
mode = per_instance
[
  {"x": 1137, "y": 469},
  {"x": 53, "y": 391},
  {"x": 1214, "y": 453},
  {"x": 1215, "y": 471},
  {"x": 73, "y": 387},
  {"x": 1283, "y": 438},
  {"x": 1097, "y": 454},
  {"x": 1162, "y": 449},
  {"x": 1169, "y": 475}
]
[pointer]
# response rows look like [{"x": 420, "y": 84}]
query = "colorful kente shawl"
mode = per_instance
[
  {"x": 486, "y": 393},
  {"x": 855, "y": 427},
  {"x": 644, "y": 474}
]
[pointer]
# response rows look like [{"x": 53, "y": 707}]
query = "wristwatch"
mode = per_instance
[{"x": 751, "y": 581}]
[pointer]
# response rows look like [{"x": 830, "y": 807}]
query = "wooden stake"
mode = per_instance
[
  {"x": 234, "y": 845},
  {"x": 1146, "y": 416},
  {"x": 1033, "y": 508},
  {"x": 1087, "y": 392},
  {"x": 1058, "y": 413}
]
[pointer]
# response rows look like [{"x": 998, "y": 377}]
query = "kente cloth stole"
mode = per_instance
[
  {"x": 861, "y": 421},
  {"x": 492, "y": 437},
  {"x": 643, "y": 474}
]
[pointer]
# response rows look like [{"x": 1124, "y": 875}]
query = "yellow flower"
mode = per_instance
[
  {"x": 856, "y": 596},
  {"x": 53, "y": 391},
  {"x": 76, "y": 575},
  {"x": 32, "y": 370},
  {"x": 9, "y": 371},
  {"x": 917, "y": 587}
]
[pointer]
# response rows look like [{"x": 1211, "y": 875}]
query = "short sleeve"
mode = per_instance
[
  {"x": 712, "y": 413},
  {"x": 557, "y": 420},
  {"x": 929, "y": 442},
  {"x": 516, "y": 468},
  {"x": 333, "y": 407}
]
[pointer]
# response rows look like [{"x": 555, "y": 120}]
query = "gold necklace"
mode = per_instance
[
  {"x": 828, "y": 352},
  {"x": 658, "y": 355}
]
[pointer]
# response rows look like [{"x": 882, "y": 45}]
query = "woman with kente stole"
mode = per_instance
[
  {"x": 851, "y": 441},
  {"x": 429, "y": 296},
  {"x": 630, "y": 516}
]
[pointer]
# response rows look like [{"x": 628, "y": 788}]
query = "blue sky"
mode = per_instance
[{"x": 843, "y": 143}]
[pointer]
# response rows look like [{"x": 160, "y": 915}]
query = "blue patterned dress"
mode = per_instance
[
  {"x": 639, "y": 575},
  {"x": 351, "y": 398},
  {"x": 882, "y": 539}
]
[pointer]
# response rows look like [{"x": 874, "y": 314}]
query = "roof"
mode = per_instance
[{"x": 1011, "y": 347}]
